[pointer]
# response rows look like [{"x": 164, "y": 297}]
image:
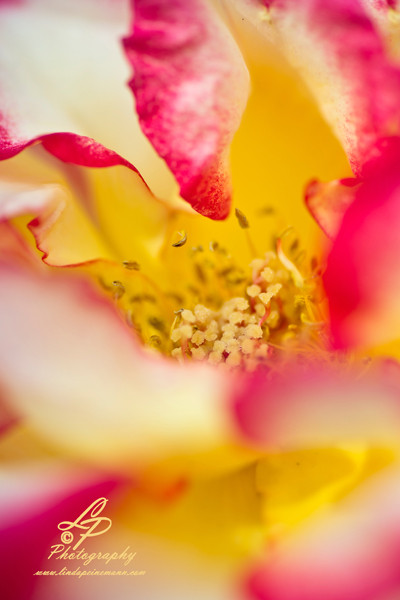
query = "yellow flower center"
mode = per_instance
[
  {"x": 225, "y": 315},
  {"x": 269, "y": 308}
]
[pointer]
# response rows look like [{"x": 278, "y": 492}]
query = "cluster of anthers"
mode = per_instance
[
  {"x": 277, "y": 307},
  {"x": 224, "y": 314}
]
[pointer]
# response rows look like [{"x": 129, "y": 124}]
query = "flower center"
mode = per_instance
[
  {"x": 272, "y": 307},
  {"x": 225, "y": 315}
]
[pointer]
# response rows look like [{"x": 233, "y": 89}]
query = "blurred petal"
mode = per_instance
[
  {"x": 35, "y": 497},
  {"x": 349, "y": 547},
  {"x": 337, "y": 51},
  {"x": 362, "y": 277},
  {"x": 13, "y": 247},
  {"x": 78, "y": 375},
  {"x": 351, "y": 553},
  {"x": 319, "y": 408},
  {"x": 191, "y": 86},
  {"x": 173, "y": 571}
]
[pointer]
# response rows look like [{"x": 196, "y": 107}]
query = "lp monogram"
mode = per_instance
[{"x": 88, "y": 521}]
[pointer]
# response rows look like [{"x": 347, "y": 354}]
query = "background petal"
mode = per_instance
[
  {"x": 351, "y": 553},
  {"x": 35, "y": 497},
  {"x": 319, "y": 407},
  {"x": 362, "y": 276},
  {"x": 339, "y": 54},
  {"x": 79, "y": 214},
  {"x": 348, "y": 546},
  {"x": 63, "y": 72},
  {"x": 76, "y": 373}
]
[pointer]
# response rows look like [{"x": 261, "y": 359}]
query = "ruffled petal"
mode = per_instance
[
  {"x": 59, "y": 61},
  {"x": 63, "y": 83},
  {"x": 79, "y": 214},
  {"x": 339, "y": 54},
  {"x": 68, "y": 147},
  {"x": 191, "y": 87},
  {"x": 62, "y": 230}
]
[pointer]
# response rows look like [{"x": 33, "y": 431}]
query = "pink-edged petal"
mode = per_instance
[
  {"x": 72, "y": 368},
  {"x": 83, "y": 214},
  {"x": 339, "y": 54},
  {"x": 191, "y": 85},
  {"x": 36, "y": 496},
  {"x": 316, "y": 407},
  {"x": 59, "y": 67},
  {"x": 63, "y": 80},
  {"x": 327, "y": 202},
  {"x": 160, "y": 553},
  {"x": 349, "y": 548},
  {"x": 362, "y": 276},
  {"x": 69, "y": 148},
  {"x": 350, "y": 553}
]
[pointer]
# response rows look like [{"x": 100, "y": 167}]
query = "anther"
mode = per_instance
[
  {"x": 182, "y": 241},
  {"x": 131, "y": 265},
  {"x": 242, "y": 219},
  {"x": 119, "y": 290}
]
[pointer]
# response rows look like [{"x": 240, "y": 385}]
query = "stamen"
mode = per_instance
[
  {"x": 266, "y": 211},
  {"x": 131, "y": 265},
  {"x": 297, "y": 277},
  {"x": 242, "y": 219},
  {"x": 244, "y": 224},
  {"x": 222, "y": 313},
  {"x": 247, "y": 329},
  {"x": 253, "y": 291},
  {"x": 182, "y": 241},
  {"x": 119, "y": 290}
]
